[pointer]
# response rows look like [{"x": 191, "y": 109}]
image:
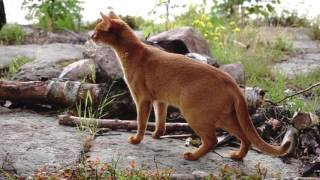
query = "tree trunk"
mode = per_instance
[
  {"x": 113, "y": 124},
  {"x": 3, "y": 19}
]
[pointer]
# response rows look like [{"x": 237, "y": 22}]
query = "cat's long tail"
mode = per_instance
[{"x": 251, "y": 133}]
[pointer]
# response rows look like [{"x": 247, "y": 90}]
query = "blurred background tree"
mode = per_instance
[
  {"x": 55, "y": 15},
  {"x": 3, "y": 20}
]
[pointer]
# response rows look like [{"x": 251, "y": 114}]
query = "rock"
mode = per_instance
[
  {"x": 40, "y": 36},
  {"x": 108, "y": 67},
  {"x": 204, "y": 59},
  {"x": 167, "y": 153},
  {"x": 31, "y": 141},
  {"x": 236, "y": 71},
  {"x": 182, "y": 40},
  {"x": 79, "y": 70},
  {"x": 48, "y": 59},
  {"x": 300, "y": 64}
]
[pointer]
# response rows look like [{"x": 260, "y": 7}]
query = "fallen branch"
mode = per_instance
[
  {"x": 291, "y": 135},
  {"x": 50, "y": 92},
  {"x": 300, "y": 92},
  {"x": 176, "y": 136},
  {"x": 113, "y": 124},
  {"x": 302, "y": 120}
]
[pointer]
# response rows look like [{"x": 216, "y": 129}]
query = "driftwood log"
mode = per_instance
[
  {"x": 50, "y": 92},
  {"x": 70, "y": 92},
  {"x": 114, "y": 124},
  {"x": 302, "y": 120}
]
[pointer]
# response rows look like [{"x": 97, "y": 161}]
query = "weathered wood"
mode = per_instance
[
  {"x": 291, "y": 135},
  {"x": 254, "y": 97},
  {"x": 302, "y": 120},
  {"x": 49, "y": 92},
  {"x": 114, "y": 124}
]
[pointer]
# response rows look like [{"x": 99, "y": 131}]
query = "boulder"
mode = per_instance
[
  {"x": 84, "y": 69},
  {"x": 40, "y": 36},
  {"x": 204, "y": 59},
  {"x": 107, "y": 64},
  {"x": 236, "y": 71},
  {"x": 182, "y": 40},
  {"x": 48, "y": 60}
]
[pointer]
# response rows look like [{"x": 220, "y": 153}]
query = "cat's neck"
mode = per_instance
[{"x": 129, "y": 48}]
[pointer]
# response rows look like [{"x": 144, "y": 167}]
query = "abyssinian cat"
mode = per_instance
[{"x": 207, "y": 97}]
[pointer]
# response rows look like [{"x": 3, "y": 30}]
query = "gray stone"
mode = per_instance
[
  {"x": 167, "y": 153},
  {"x": 31, "y": 141},
  {"x": 108, "y": 67},
  {"x": 192, "y": 40},
  {"x": 301, "y": 64},
  {"x": 49, "y": 59},
  {"x": 204, "y": 59},
  {"x": 80, "y": 70},
  {"x": 236, "y": 71}
]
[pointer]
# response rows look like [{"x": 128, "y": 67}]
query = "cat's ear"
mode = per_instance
[
  {"x": 106, "y": 22},
  {"x": 113, "y": 15}
]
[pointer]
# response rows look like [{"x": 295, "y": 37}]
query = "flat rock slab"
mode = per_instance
[
  {"x": 301, "y": 64},
  {"x": 30, "y": 141},
  {"x": 167, "y": 153},
  {"x": 53, "y": 52}
]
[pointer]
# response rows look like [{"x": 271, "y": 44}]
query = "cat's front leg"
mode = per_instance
[
  {"x": 160, "y": 110},
  {"x": 143, "y": 112}
]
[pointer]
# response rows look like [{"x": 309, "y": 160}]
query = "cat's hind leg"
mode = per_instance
[{"x": 208, "y": 137}]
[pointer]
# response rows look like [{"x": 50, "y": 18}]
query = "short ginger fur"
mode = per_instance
[{"x": 207, "y": 97}]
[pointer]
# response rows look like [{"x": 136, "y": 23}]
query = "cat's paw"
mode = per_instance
[
  {"x": 157, "y": 134},
  {"x": 134, "y": 139},
  {"x": 189, "y": 156},
  {"x": 236, "y": 156}
]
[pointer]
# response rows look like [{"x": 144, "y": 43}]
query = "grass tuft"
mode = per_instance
[
  {"x": 11, "y": 34},
  {"x": 14, "y": 66}
]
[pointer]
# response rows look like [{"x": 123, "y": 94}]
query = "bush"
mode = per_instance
[
  {"x": 11, "y": 34},
  {"x": 315, "y": 29},
  {"x": 55, "y": 15}
]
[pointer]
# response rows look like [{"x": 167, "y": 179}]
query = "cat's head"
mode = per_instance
[{"x": 110, "y": 30}]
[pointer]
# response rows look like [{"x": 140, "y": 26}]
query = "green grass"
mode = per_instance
[
  {"x": 90, "y": 111},
  {"x": 11, "y": 34},
  {"x": 14, "y": 65},
  {"x": 315, "y": 29}
]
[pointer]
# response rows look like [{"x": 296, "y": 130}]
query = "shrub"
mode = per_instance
[
  {"x": 11, "y": 34},
  {"x": 315, "y": 29},
  {"x": 55, "y": 15}
]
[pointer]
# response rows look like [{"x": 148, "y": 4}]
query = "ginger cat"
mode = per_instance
[{"x": 207, "y": 97}]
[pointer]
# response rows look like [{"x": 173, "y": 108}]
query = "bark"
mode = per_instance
[
  {"x": 49, "y": 92},
  {"x": 113, "y": 124},
  {"x": 70, "y": 92},
  {"x": 3, "y": 19},
  {"x": 303, "y": 120},
  {"x": 254, "y": 97}
]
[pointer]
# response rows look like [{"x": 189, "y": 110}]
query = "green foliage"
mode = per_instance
[
  {"x": 243, "y": 8},
  {"x": 11, "y": 34},
  {"x": 55, "y": 15},
  {"x": 287, "y": 19},
  {"x": 14, "y": 65},
  {"x": 134, "y": 22},
  {"x": 90, "y": 111},
  {"x": 315, "y": 29}
]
